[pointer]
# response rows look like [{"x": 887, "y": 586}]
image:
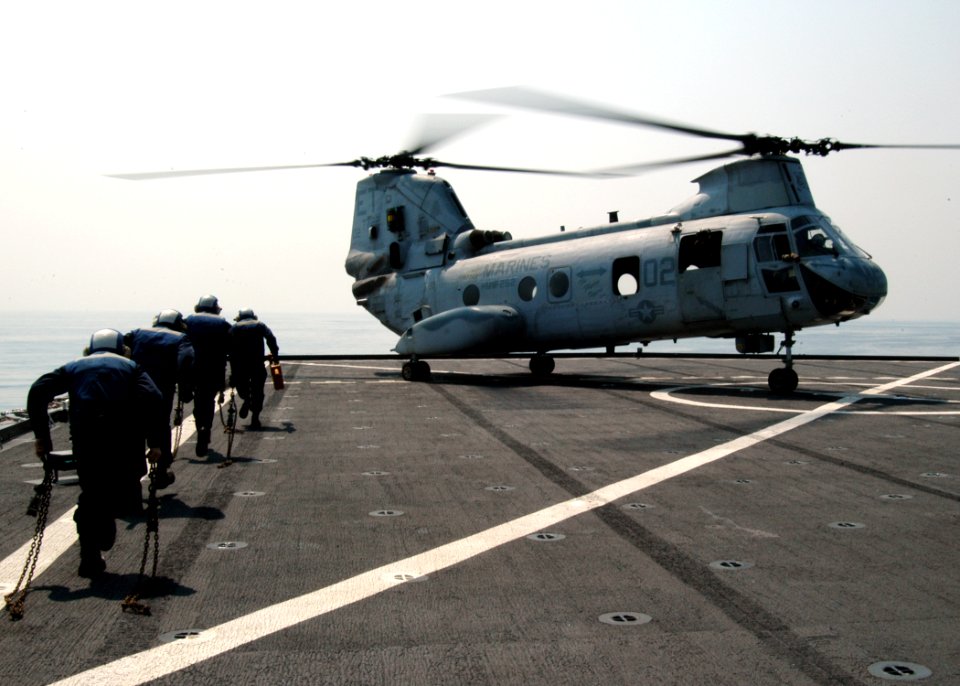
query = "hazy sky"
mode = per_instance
[{"x": 95, "y": 88}]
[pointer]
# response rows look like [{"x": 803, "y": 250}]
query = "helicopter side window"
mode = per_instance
[
  {"x": 771, "y": 243},
  {"x": 626, "y": 275},
  {"x": 471, "y": 295},
  {"x": 527, "y": 290},
  {"x": 700, "y": 250}
]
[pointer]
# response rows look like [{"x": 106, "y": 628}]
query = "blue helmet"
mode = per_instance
[
  {"x": 245, "y": 313},
  {"x": 208, "y": 303},
  {"x": 106, "y": 341}
]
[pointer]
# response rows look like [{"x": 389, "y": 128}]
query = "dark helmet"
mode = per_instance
[
  {"x": 208, "y": 303},
  {"x": 245, "y": 313},
  {"x": 106, "y": 341},
  {"x": 170, "y": 319}
]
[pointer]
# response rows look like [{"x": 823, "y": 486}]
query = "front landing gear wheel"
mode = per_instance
[
  {"x": 542, "y": 365},
  {"x": 415, "y": 370},
  {"x": 783, "y": 380}
]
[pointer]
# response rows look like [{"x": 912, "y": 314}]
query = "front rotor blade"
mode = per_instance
[
  {"x": 838, "y": 145},
  {"x": 143, "y": 176},
  {"x": 547, "y": 102}
]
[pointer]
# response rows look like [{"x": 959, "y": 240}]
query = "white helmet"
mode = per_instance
[
  {"x": 208, "y": 303},
  {"x": 106, "y": 340}
]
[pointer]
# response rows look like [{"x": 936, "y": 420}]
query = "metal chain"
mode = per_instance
[
  {"x": 178, "y": 428},
  {"x": 16, "y": 598},
  {"x": 132, "y": 602},
  {"x": 229, "y": 427}
]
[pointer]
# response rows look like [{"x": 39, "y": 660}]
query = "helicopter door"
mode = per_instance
[{"x": 700, "y": 279}]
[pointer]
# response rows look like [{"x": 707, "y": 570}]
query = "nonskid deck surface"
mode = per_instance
[{"x": 625, "y": 521}]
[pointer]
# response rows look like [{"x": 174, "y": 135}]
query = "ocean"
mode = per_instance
[{"x": 34, "y": 343}]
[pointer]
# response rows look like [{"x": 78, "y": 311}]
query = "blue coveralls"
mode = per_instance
[
  {"x": 210, "y": 336},
  {"x": 114, "y": 408},
  {"x": 246, "y": 361},
  {"x": 167, "y": 356}
]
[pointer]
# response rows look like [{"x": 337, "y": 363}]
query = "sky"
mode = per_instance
[{"x": 97, "y": 88}]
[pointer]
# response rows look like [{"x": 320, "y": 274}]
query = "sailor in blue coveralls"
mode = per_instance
[
  {"x": 114, "y": 408},
  {"x": 247, "y": 372},
  {"x": 210, "y": 335},
  {"x": 165, "y": 353}
]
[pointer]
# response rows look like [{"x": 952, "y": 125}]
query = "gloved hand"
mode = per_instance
[{"x": 153, "y": 455}]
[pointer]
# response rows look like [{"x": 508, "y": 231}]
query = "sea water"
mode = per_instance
[{"x": 34, "y": 343}]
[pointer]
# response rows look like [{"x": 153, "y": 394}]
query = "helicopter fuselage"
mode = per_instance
[{"x": 748, "y": 255}]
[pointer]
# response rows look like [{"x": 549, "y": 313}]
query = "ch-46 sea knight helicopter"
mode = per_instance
[{"x": 747, "y": 256}]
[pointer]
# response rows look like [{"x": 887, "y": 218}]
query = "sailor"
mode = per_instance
[
  {"x": 114, "y": 408},
  {"x": 247, "y": 372},
  {"x": 165, "y": 353},
  {"x": 210, "y": 335}
]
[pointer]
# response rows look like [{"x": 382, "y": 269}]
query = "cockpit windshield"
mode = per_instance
[{"x": 817, "y": 236}]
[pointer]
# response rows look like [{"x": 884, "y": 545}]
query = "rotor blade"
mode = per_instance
[
  {"x": 839, "y": 145},
  {"x": 142, "y": 176},
  {"x": 439, "y": 128},
  {"x": 523, "y": 170},
  {"x": 629, "y": 169},
  {"x": 547, "y": 102}
]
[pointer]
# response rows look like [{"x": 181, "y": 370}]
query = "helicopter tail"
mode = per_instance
[{"x": 404, "y": 224}]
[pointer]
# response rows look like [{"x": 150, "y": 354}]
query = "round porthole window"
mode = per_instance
[
  {"x": 559, "y": 284},
  {"x": 527, "y": 288},
  {"x": 471, "y": 295}
]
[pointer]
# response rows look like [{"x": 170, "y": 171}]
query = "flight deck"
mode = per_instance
[{"x": 647, "y": 521}]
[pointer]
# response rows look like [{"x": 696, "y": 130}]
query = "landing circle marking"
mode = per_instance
[{"x": 668, "y": 396}]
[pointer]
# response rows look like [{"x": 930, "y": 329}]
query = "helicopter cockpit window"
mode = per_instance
[
  {"x": 812, "y": 241},
  {"x": 626, "y": 275},
  {"x": 844, "y": 244},
  {"x": 700, "y": 250}
]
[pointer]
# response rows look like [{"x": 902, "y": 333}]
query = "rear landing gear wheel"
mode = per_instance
[
  {"x": 542, "y": 365},
  {"x": 783, "y": 381},
  {"x": 415, "y": 370}
]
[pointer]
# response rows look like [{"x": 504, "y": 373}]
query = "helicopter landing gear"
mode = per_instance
[
  {"x": 783, "y": 380},
  {"x": 542, "y": 365},
  {"x": 415, "y": 370}
]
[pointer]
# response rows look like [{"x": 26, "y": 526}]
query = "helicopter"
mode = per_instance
[{"x": 747, "y": 256}]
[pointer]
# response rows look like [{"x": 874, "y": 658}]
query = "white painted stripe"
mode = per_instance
[
  {"x": 57, "y": 537},
  {"x": 171, "y": 657}
]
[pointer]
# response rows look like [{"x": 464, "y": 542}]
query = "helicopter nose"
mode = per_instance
[{"x": 844, "y": 287}]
